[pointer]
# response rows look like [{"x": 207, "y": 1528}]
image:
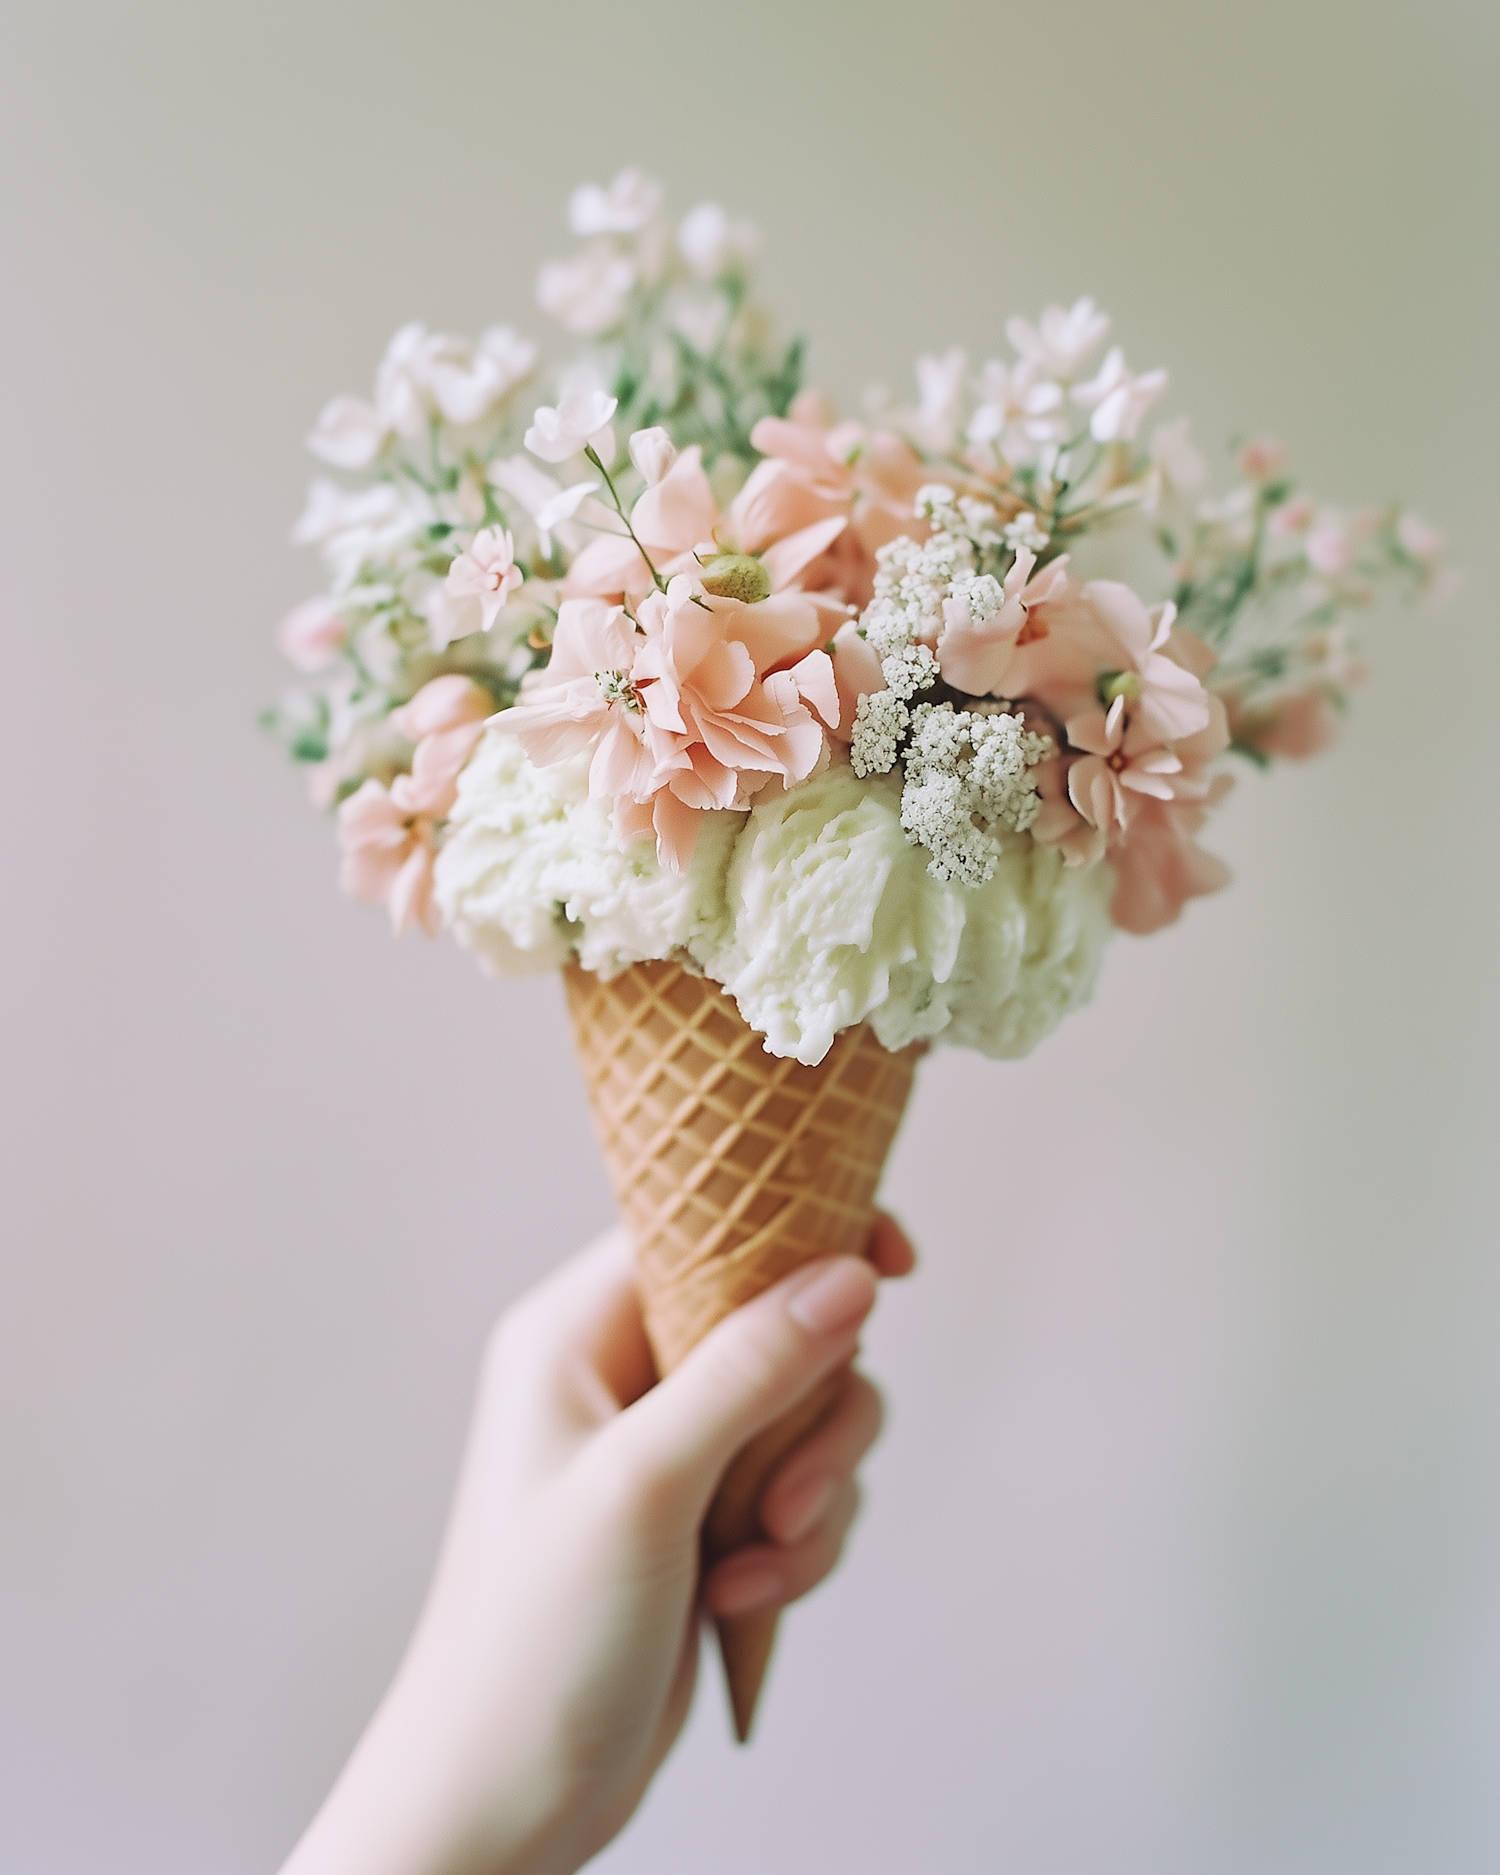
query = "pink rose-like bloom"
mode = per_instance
[
  {"x": 976, "y": 655},
  {"x": 587, "y": 698},
  {"x": 720, "y": 721},
  {"x": 487, "y": 572},
  {"x": 312, "y": 634}
]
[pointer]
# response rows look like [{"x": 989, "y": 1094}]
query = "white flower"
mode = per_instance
[
  {"x": 580, "y": 420},
  {"x": 486, "y": 572},
  {"x": 713, "y": 245},
  {"x": 1061, "y": 340},
  {"x": 589, "y": 293},
  {"x": 1025, "y": 534},
  {"x": 626, "y": 205},
  {"x": 1176, "y": 457},
  {"x": 700, "y": 318},
  {"x": 348, "y": 434},
  {"x": 940, "y": 387},
  {"x": 561, "y": 508},
  {"x": 401, "y": 387},
  {"x": 468, "y": 382},
  {"x": 1018, "y": 410},
  {"x": 1118, "y": 398},
  {"x": 881, "y": 720},
  {"x": 653, "y": 452}
]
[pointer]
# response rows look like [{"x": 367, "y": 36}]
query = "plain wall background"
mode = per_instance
[{"x": 1181, "y": 1551}]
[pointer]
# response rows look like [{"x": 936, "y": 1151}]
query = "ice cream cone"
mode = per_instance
[{"x": 731, "y": 1167}]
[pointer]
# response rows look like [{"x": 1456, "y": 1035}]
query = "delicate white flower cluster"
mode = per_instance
[
  {"x": 966, "y": 770},
  {"x": 967, "y": 773}
]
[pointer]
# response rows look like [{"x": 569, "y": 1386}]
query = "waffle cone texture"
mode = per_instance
[{"x": 731, "y": 1168}]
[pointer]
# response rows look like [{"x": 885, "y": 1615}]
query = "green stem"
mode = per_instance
[{"x": 593, "y": 456}]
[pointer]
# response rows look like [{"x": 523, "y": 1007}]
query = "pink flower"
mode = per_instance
[
  {"x": 388, "y": 854},
  {"x": 1262, "y": 460},
  {"x": 856, "y": 673},
  {"x": 975, "y": 654},
  {"x": 1296, "y": 725},
  {"x": 673, "y": 515},
  {"x": 312, "y": 634},
  {"x": 1328, "y": 548},
  {"x": 1166, "y": 697},
  {"x": 719, "y": 721},
  {"x": 487, "y": 572},
  {"x": 1159, "y": 868},
  {"x": 587, "y": 698},
  {"x": 445, "y": 719},
  {"x": 1123, "y": 760}
]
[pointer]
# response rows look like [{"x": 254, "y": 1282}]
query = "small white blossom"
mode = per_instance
[
  {"x": 1062, "y": 339},
  {"x": 701, "y": 319},
  {"x": 965, "y": 775},
  {"x": 625, "y": 206},
  {"x": 580, "y": 420},
  {"x": 713, "y": 245},
  {"x": 558, "y": 509},
  {"x": 940, "y": 387},
  {"x": 979, "y": 594},
  {"x": 1176, "y": 457},
  {"x": 1018, "y": 411},
  {"x": 1118, "y": 398},
  {"x": 1025, "y": 534},
  {"x": 880, "y": 722},
  {"x": 911, "y": 669},
  {"x": 348, "y": 434},
  {"x": 653, "y": 452},
  {"x": 589, "y": 293},
  {"x": 467, "y": 383}
]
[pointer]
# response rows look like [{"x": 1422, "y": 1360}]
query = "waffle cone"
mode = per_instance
[{"x": 731, "y": 1167}]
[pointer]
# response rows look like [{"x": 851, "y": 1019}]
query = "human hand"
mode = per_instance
[{"x": 554, "y": 1661}]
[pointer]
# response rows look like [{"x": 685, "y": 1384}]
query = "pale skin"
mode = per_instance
[{"x": 553, "y": 1664}]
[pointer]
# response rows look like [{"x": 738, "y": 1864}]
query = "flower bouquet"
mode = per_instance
[{"x": 797, "y": 744}]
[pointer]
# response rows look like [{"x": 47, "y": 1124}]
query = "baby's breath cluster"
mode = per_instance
[{"x": 966, "y": 770}]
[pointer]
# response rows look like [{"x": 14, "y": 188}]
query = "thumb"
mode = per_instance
[{"x": 746, "y": 1372}]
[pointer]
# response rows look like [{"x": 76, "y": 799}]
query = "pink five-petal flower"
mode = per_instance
[
  {"x": 487, "y": 572},
  {"x": 1122, "y": 760},
  {"x": 976, "y": 654},
  {"x": 586, "y": 698},
  {"x": 1166, "y": 697},
  {"x": 388, "y": 854},
  {"x": 445, "y": 719}
]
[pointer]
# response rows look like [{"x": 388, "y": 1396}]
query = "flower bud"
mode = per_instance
[{"x": 737, "y": 576}]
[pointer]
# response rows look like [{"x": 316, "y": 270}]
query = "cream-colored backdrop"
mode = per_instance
[{"x": 1181, "y": 1552}]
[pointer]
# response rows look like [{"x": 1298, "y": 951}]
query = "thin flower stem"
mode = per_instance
[{"x": 593, "y": 455}]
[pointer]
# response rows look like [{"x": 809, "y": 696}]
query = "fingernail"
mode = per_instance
[
  {"x": 834, "y": 1298},
  {"x": 798, "y": 1508},
  {"x": 738, "y": 1591}
]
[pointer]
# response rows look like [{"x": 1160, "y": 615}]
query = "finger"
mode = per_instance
[
  {"x": 575, "y": 1345},
  {"x": 890, "y": 1249},
  {"x": 811, "y": 1476},
  {"x": 752, "y": 1367},
  {"x": 768, "y": 1576}
]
